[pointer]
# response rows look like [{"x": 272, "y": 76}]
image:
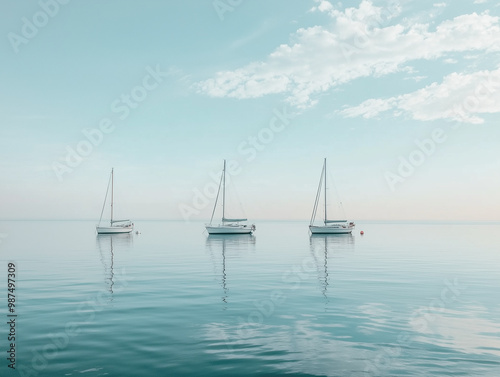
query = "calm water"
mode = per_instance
[{"x": 402, "y": 300}]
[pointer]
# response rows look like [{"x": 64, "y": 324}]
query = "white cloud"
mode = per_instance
[
  {"x": 369, "y": 108},
  {"x": 459, "y": 97},
  {"x": 480, "y": 1},
  {"x": 360, "y": 42},
  {"x": 324, "y": 6},
  {"x": 416, "y": 78}
]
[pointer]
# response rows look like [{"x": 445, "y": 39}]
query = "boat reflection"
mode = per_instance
[
  {"x": 320, "y": 245},
  {"x": 106, "y": 243},
  {"x": 227, "y": 244}
]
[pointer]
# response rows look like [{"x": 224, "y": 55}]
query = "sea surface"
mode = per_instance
[{"x": 404, "y": 299}]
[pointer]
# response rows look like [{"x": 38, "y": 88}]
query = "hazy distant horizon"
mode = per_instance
[{"x": 306, "y": 221}]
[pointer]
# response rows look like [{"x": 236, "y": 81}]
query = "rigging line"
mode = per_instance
[
  {"x": 337, "y": 196},
  {"x": 216, "y": 199},
  {"x": 318, "y": 194},
  {"x": 105, "y": 198},
  {"x": 234, "y": 193},
  {"x": 317, "y": 198},
  {"x": 342, "y": 210}
]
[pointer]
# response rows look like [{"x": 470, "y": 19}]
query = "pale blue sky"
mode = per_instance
[{"x": 360, "y": 81}]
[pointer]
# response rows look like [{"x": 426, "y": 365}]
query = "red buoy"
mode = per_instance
[{"x": 361, "y": 232}]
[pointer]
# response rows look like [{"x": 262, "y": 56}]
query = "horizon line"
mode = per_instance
[{"x": 275, "y": 219}]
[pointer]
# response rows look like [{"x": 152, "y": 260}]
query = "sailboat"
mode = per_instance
[
  {"x": 330, "y": 226},
  {"x": 115, "y": 226},
  {"x": 227, "y": 225}
]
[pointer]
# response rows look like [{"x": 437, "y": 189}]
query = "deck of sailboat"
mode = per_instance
[
  {"x": 114, "y": 229},
  {"x": 229, "y": 229},
  {"x": 330, "y": 229}
]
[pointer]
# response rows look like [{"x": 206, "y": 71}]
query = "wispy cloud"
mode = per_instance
[
  {"x": 29, "y": 117},
  {"x": 359, "y": 42},
  {"x": 459, "y": 97},
  {"x": 259, "y": 32}
]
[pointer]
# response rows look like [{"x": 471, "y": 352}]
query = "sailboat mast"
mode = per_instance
[
  {"x": 325, "y": 189},
  {"x": 111, "y": 196},
  {"x": 223, "y": 190}
]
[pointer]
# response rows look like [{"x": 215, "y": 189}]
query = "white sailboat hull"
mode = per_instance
[
  {"x": 331, "y": 229},
  {"x": 114, "y": 229},
  {"x": 229, "y": 229}
]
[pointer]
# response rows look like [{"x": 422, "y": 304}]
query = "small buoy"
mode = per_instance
[{"x": 361, "y": 232}]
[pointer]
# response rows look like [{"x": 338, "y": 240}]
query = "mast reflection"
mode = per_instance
[
  {"x": 320, "y": 246},
  {"x": 106, "y": 244},
  {"x": 228, "y": 244}
]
